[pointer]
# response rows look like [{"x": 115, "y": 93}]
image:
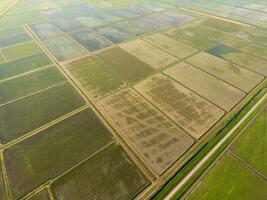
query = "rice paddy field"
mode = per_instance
[
  {"x": 174, "y": 99},
  {"x": 42, "y": 195},
  {"x": 109, "y": 99},
  {"x": 148, "y": 131},
  {"x": 242, "y": 166}
]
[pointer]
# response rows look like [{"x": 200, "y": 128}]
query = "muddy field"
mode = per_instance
[
  {"x": 235, "y": 75},
  {"x": 148, "y": 53},
  {"x": 129, "y": 60},
  {"x": 209, "y": 87},
  {"x": 158, "y": 141},
  {"x": 170, "y": 45},
  {"x": 191, "y": 112}
]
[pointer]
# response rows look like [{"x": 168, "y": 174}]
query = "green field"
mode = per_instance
[
  {"x": 20, "y": 19},
  {"x": 95, "y": 76},
  {"x": 42, "y": 195},
  {"x": 30, "y": 83},
  {"x": 21, "y": 50},
  {"x": 255, "y": 35},
  {"x": 126, "y": 66},
  {"x": 109, "y": 174},
  {"x": 205, "y": 32},
  {"x": 116, "y": 99},
  {"x": 223, "y": 26},
  {"x": 240, "y": 58},
  {"x": 170, "y": 45},
  {"x": 255, "y": 50},
  {"x": 23, "y": 65},
  {"x": 189, "y": 38},
  {"x": 11, "y": 31},
  {"x": 236, "y": 174},
  {"x": 13, "y": 40},
  {"x": 36, "y": 110},
  {"x": 251, "y": 145},
  {"x": 58, "y": 148},
  {"x": 229, "y": 179},
  {"x": 247, "y": 47}
]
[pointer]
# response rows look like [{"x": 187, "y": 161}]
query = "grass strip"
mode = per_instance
[{"x": 188, "y": 166}]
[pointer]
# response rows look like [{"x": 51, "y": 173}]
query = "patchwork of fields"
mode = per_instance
[
  {"x": 159, "y": 141},
  {"x": 241, "y": 171},
  {"x": 107, "y": 99}
]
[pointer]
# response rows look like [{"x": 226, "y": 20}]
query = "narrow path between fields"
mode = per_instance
[{"x": 247, "y": 165}]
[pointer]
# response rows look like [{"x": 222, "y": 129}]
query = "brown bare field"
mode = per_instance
[
  {"x": 191, "y": 112},
  {"x": 159, "y": 141},
  {"x": 148, "y": 53},
  {"x": 208, "y": 86},
  {"x": 170, "y": 45},
  {"x": 124, "y": 65},
  {"x": 230, "y": 73}
]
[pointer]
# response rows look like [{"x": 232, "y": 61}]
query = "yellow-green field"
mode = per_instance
[{"x": 110, "y": 99}]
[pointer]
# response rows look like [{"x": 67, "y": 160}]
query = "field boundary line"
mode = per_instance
[
  {"x": 247, "y": 165},
  {"x": 215, "y": 17},
  {"x": 165, "y": 115},
  {"x": 2, "y": 54},
  {"x": 4, "y": 174},
  {"x": 11, "y": 5},
  {"x": 247, "y": 52},
  {"x": 47, "y": 185},
  {"x": 56, "y": 63},
  {"x": 43, "y": 127},
  {"x": 11, "y": 34},
  {"x": 84, "y": 160},
  {"x": 219, "y": 78},
  {"x": 60, "y": 65},
  {"x": 31, "y": 194},
  {"x": 133, "y": 151},
  {"x": 25, "y": 56},
  {"x": 196, "y": 93},
  {"x": 224, "y": 151},
  {"x": 18, "y": 44},
  {"x": 164, "y": 50},
  {"x": 26, "y": 73},
  {"x": 50, "y": 193},
  {"x": 212, "y": 151},
  {"x": 244, "y": 67},
  {"x": 34, "y": 93}
]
